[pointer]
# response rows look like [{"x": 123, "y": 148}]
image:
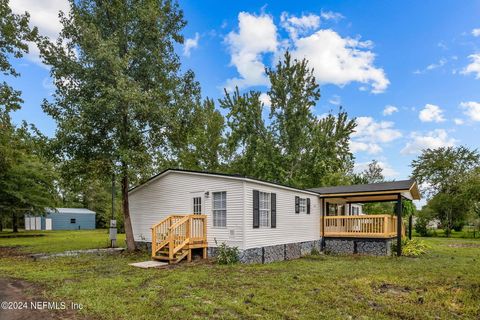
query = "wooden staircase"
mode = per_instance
[{"x": 176, "y": 236}]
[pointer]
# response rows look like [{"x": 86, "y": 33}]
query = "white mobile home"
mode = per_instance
[{"x": 179, "y": 210}]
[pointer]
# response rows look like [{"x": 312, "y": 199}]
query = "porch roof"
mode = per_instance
[{"x": 372, "y": 192}]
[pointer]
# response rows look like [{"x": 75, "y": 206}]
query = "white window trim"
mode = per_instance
[
  {"x": 213, "y": 210},
  {"x": 267, "y": 209}
]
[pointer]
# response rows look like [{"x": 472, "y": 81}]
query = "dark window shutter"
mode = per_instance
[
  {"x": 308, "y": 205},
  {"x": 273, "y": 209},
  {"x": 297, "y": 204},
  {"x": 256, "y": 211}
]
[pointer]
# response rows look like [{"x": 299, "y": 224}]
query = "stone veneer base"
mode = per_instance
[
  {"x": 289, "y": 251},
  {"x": 366, "y": 246}
]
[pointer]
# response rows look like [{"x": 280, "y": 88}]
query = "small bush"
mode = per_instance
[
  {"x": 421, "y": 227},
  {"x": 411, "y": 248},
  {"x": 227, "y": 254},
  {"x": 315, "y": 252}
]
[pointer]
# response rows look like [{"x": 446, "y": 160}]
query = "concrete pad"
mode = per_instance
[{"x": 148, "y": 264}]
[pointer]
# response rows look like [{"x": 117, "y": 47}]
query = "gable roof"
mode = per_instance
[
  {"x": 407, "y": 188},
  {"x": 224, "y": 175}
]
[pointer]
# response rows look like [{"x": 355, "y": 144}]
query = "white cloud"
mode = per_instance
[
  {"x": 476, "y": 32},
  {"x": 370, "y": 134},
  {"x": 458, "y": 121},
  {"x": 256, "y": 35},
  {"x": 431, "y": 113},
  {"x": 190, "y": 43},
  {"x": 335, "y": 60},
  {"x": 299, "y": 25},
  {"x": 388, "y": 171},
  {"x": 44, "y": 15},
  {"x": 265, "y": 99},
  {"x": 431, "y": 140},
  {"x": 330, "y": 15},
  {"x": 474, "y": 66},
  {"x": 339, "y": 61},
  {"x": 432, "y": 66},
  {"x": 472, "y": 109},
  {"x": 389, "y": 110}
]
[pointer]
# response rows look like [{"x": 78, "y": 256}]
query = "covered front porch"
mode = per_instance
[{"x": 353, "y": 228}]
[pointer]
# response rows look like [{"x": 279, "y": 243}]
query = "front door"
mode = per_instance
[{"x": 197, "y": 203}]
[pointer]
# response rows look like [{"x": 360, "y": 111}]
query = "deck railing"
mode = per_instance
[
  {"x": 178, "y": 232},
  {"x": 362, "y": 226}
]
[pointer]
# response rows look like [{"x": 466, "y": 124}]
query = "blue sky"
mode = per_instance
[{"x": 408, "y": 70}]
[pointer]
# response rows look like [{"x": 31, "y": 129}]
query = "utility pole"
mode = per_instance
[{"x": 113, "y": 222}]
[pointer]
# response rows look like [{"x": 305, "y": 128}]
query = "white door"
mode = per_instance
[
  {"x": 197, "y": 203},
  {"x": 48, "y": 224},
  {"x": 27, "y": 223},
  {"x": 38, "y": 223}
]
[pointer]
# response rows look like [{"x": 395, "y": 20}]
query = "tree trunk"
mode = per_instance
[
  {"x": 126, "y": 211},
  {"x": 14, "y": 222},
  {"x": 1, "y": 223}
]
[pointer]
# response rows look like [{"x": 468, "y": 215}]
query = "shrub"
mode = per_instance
[
  {"x": 421, "y": 227},
  {"x": 227, "y": 254},
  {"x": 411, "y": 248}
]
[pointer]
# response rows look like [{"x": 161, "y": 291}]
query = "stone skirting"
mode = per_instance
[
  {"x": 274, "y": 253},
  {"x": 375, "y": 247}
]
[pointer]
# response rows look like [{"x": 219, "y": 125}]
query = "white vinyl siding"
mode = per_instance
[
  {"x": 265, "y": 211},
  {"x": 173, "y": 193},
  {"x": 220, "y": 209},
  {"x": 290, "y": 227}
]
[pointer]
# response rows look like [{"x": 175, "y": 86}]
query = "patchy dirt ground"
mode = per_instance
[{"x": 12, "y": 290}]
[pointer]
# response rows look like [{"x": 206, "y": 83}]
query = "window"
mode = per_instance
[
  {"x": 355, "y": 210},
  {"x": 220, "y": 209},
  {"x": 73, "y": 220},
  {"x": 197, "y": 205},
  {"x": 264, "y": 208},
  {"x": 303, "y": 205}
]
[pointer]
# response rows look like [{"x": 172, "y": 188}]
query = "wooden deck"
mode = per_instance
[
  {"x": 362, "y": 226},
  {"x": 174, "y": 237}
]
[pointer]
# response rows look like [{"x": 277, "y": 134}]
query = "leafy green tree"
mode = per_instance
[
  {"x": 250, "y": 149},
  {"x": 293, "y": 94},
  {"x": 443, "y": 170},
  {"x": 118, "y": 83},
  {"x": 27, "y": 181},
  {"x": 199, "y": 143},
  {"x": 14, "y": 36},
  {"x": 328, "y": 157}
]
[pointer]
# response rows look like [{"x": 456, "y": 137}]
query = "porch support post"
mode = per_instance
[
  {"x": 322, "y": 224},
  {"x": 410, "y": 221},
  {"x": 399, "y": 225}
]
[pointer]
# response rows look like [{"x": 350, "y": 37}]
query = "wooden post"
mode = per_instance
[
  {"x": 385, "y": 226},
  {"x": 399, "y": 225},
  {"x": 410, "y": 222}
]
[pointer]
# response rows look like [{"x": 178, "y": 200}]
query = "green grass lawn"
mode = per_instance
[
  {"x": 444, "y": 284},
  {"x": 58, "y": 241}
]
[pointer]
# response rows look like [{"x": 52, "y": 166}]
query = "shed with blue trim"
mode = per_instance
[{"x": 62, "y": 219}]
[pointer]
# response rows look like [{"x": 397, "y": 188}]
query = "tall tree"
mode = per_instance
[
  {"x": 293, "y": 93},
  {"x": 14, "y": 36},
  {"x": 118, "y": 81},
  {"x": 197, "y": 142},
  {"x": 373, "y": 173},
  {"x": 250, "y": 148},
  {"x": 442, "y": 171},
  {"x": 328, "y": 157}
]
